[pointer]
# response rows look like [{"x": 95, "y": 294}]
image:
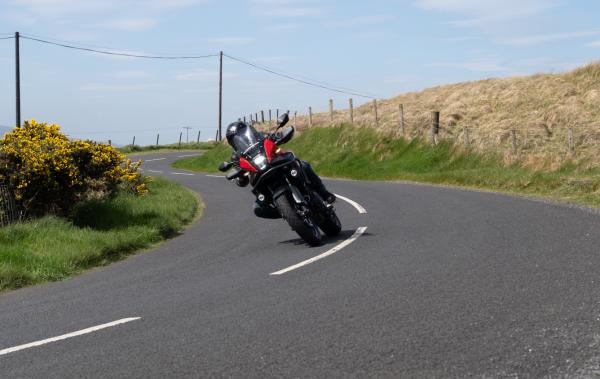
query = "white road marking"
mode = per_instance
[
  {"x": 329, "y": 252},
  {"x": 187, "y": 155},
  {"x": 158, "y": 172},
  {"x": 182, "y": 173},
  {"x": 215, "y": 176},
  {"x": 155, "y": 159},
  {"x": 68, "y": 335},
  {"x": 356, "y": 205}
]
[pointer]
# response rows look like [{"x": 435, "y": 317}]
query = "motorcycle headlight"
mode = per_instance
[{"x": 260, "y": 161}]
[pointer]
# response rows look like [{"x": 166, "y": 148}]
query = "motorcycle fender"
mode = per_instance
[{"x": 296, "y": 195}]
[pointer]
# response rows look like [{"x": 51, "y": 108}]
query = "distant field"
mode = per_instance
[
  {"x": 137, "y": 150},
  {"x": 362, "y": 153}
]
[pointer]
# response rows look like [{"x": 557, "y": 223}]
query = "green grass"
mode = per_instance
[
  {"x": 192, "y": 146},
  {"x": 361, "y": 153},
  {"x": 50, "y": 248}
]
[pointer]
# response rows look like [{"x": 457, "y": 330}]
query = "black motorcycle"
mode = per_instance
[{"x": 279, "y": 181}]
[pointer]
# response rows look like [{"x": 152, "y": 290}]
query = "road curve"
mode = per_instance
[{"x": 443, "y": 283}]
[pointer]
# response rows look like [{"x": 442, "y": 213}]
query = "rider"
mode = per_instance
[{"x": 261, "y": 209}]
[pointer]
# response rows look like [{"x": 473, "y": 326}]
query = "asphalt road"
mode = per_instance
[{"x": 443, "y": 283}]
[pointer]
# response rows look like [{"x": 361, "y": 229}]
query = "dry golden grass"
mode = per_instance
[{"x": 540, "y": 108}]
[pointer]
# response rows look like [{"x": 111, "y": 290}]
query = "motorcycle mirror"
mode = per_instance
[
  {"x": 225, "y": 166},
  {"x": 282, "y": 120}
]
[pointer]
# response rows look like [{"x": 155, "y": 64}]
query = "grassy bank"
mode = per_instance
[
  {"x": 50, "y": 248},
  {"x": 361, "y": 153}
]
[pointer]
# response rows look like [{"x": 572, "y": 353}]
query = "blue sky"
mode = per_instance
[{"x": 378, "y": 47}]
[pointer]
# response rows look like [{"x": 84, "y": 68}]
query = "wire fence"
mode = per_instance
[
  {"x": 513, "y": 142},
  {"x": 8, "y": 208}
]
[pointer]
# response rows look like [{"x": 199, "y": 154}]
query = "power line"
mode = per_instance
[
  {"x": 310, "y": 83},
  {"x": 119, "y": 54},
  {"x": 7, "y": 37}
]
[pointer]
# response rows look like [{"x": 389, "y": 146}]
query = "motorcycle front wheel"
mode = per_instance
[
  {"x": 307, "y": 230},
  {"x": 332, "y": 226}
]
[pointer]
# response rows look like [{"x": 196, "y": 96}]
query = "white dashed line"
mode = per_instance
[
  {"x": 356, "y": 205},
  {"x": 329, "y": 252},
  {"x": 69, "y": 335},
  {"x": 182, "y": 173},
  {"x": 155, "y": 159},
  {"x": 157, "y": 172},
  {"x": 187, "y": 155},
  {"x": 215, "y": 176}
]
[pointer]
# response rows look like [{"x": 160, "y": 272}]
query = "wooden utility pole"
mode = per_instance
[
  {"x": 351, "y": 107},
  {"x": 219, "y": 132},
  {"x": 17, "y": 81},
  {"x": 331, "y": 110},
  {"x": 401, "y": 112}
]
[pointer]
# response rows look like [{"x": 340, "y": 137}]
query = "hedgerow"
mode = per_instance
[{"x": 50, "y": 174}]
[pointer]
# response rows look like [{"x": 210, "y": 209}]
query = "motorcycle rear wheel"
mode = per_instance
[{"x": 308, "y": 231}]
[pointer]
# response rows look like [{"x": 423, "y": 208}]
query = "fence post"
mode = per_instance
[
  {"x": 295, "y": 114},
  {"x": 401, "y": 112},
  {"x": 262, "y": 117},
  {"x": 109, "y": 143},
  {"x": 435, "y": 126},
  {"x": 376, "y": 115},
  {"x": 157, "y": 136},
  {"x": 133, "y": 143},
  {"x": 198, "y": 140},
  {"x": 278, "y": 113},
  {"x": 256, "y": 116},
  {"x": 331, "y": 110},
  {"x": 309, "y": 116},
  {"x": 571, "y": 141},
  {"x": 180, "y": 134},
  {"x": 513, "y": 134},
  {"x": 351, "y": 107},
  {"x": 466, "y": 136}
]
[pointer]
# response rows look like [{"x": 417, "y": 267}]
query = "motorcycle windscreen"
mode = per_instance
[{"x": 246, "y": 137}]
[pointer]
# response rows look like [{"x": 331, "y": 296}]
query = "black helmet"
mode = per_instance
[{"x": 232, "y": 129}]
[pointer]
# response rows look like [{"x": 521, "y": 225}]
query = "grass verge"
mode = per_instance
[
  {"x": 99, "y": 232},
  {"x": 361, "y": 153}
]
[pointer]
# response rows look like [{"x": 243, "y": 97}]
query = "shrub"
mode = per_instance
[{"x": 50, "y": 173}]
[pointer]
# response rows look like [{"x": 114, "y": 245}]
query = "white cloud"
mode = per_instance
[
  {"x": 128, "y": 15},
  {"x": 202, "y": 74},
  {"x": 287, "y": 8},
  {"x": 118, "y": 87},
  {"x": 239, "y": 40},
  {"x": 282, "y": 27},
  {"x": 129, "y": 24},
  {"x": 361, "y": 21},
  {"x": 293, "y": 12},
  {"x": 476, "y": 65},
  {"x": 130, "y": 74},
  {"x": 594, "y": 44},
  {"x": 550, "y": 37},
  {"x": 488, "y": 8}
]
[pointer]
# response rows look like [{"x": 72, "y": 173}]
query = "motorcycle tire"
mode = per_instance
[
  {"x": 308, "y": 231},
  {"x": 332, "y": 226}
]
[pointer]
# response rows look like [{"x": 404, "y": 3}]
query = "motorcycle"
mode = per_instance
[{"x": 278, "y": 181}]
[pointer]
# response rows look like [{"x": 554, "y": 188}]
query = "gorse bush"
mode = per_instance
[{"x": 50, "y": 173}]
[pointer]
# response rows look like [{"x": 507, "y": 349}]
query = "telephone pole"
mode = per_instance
[
  {"x": 17, "y": 81},
  {"x": 220, "y": 94}
]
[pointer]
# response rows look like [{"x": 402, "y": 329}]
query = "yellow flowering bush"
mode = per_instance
[{"x": 50, "y": 173}]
